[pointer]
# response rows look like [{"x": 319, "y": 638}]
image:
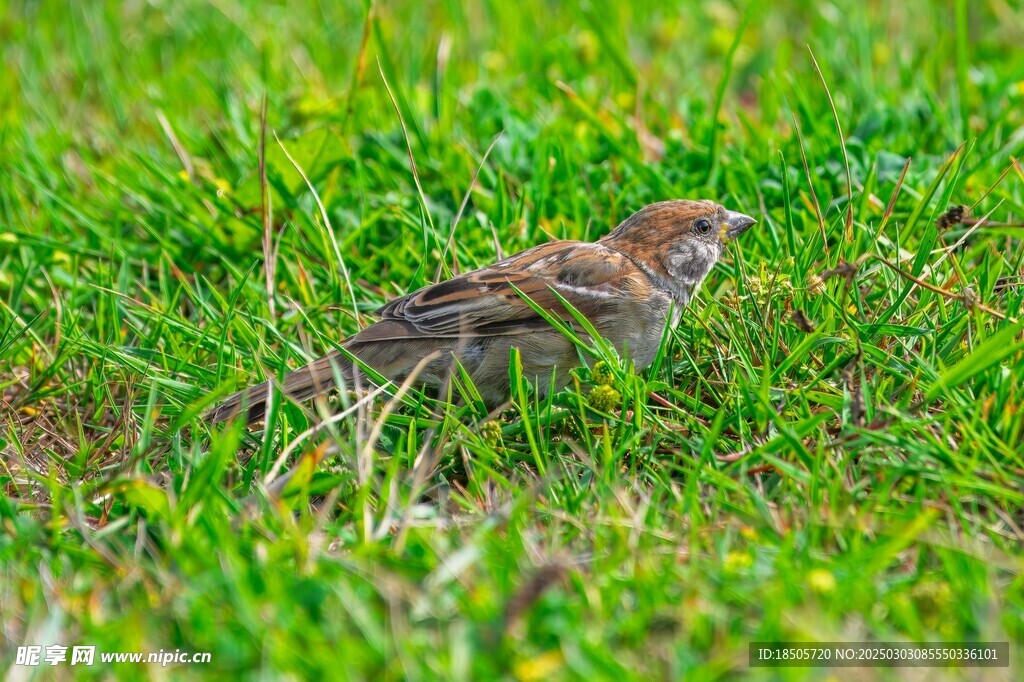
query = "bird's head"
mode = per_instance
[{"x": 679, "y": 240}]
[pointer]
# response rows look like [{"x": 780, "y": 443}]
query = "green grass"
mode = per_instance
[{"x": 822, "y": 450}]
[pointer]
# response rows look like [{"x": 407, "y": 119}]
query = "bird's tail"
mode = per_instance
[{"x": 307, "y": 382}]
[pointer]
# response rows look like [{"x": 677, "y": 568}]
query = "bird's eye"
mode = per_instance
[{"x": 702, "y": 226}]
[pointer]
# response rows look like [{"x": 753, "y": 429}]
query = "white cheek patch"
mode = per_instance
[{"x": 690, "y": 262}]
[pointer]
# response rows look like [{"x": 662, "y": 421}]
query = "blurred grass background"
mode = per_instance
[{"x": 824, "y": 451}]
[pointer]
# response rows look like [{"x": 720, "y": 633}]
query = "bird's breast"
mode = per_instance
[{"x": 637, "y": 331}]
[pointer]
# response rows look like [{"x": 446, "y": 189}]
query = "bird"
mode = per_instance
[{"x": 629, "y": 284}]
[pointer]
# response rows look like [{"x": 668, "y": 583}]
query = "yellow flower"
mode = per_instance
[
  {"x": 736, "y": 562},
  {"x": 625, "y": 100},
  {"x": 821, "y": 580},
  {"x": 222, "y": 185},
  {"x": 604, "y": 398},
  {"x": 539, "y": 667}
]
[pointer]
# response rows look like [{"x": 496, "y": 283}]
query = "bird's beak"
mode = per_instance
[{"x": 737, "y": 224}]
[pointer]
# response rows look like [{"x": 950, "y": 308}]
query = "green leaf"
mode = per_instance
[
  {"x": 147, "y": 497},
  {"x": 990, "y": 353}
]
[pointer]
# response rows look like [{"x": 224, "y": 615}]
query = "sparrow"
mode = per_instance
[{"x": 629, "y": 284}]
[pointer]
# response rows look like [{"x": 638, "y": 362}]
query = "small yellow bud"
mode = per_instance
[
  {"x": 491, "y": 432},
  {"x": 601, "y": 374},
  {"x": 588, "y": 47},
  {"x": 494, "y": 61},
  {"x": 815, "y": 285}
]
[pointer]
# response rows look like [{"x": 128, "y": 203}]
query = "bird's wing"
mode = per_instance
[{"x": 483, "y": 302}]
